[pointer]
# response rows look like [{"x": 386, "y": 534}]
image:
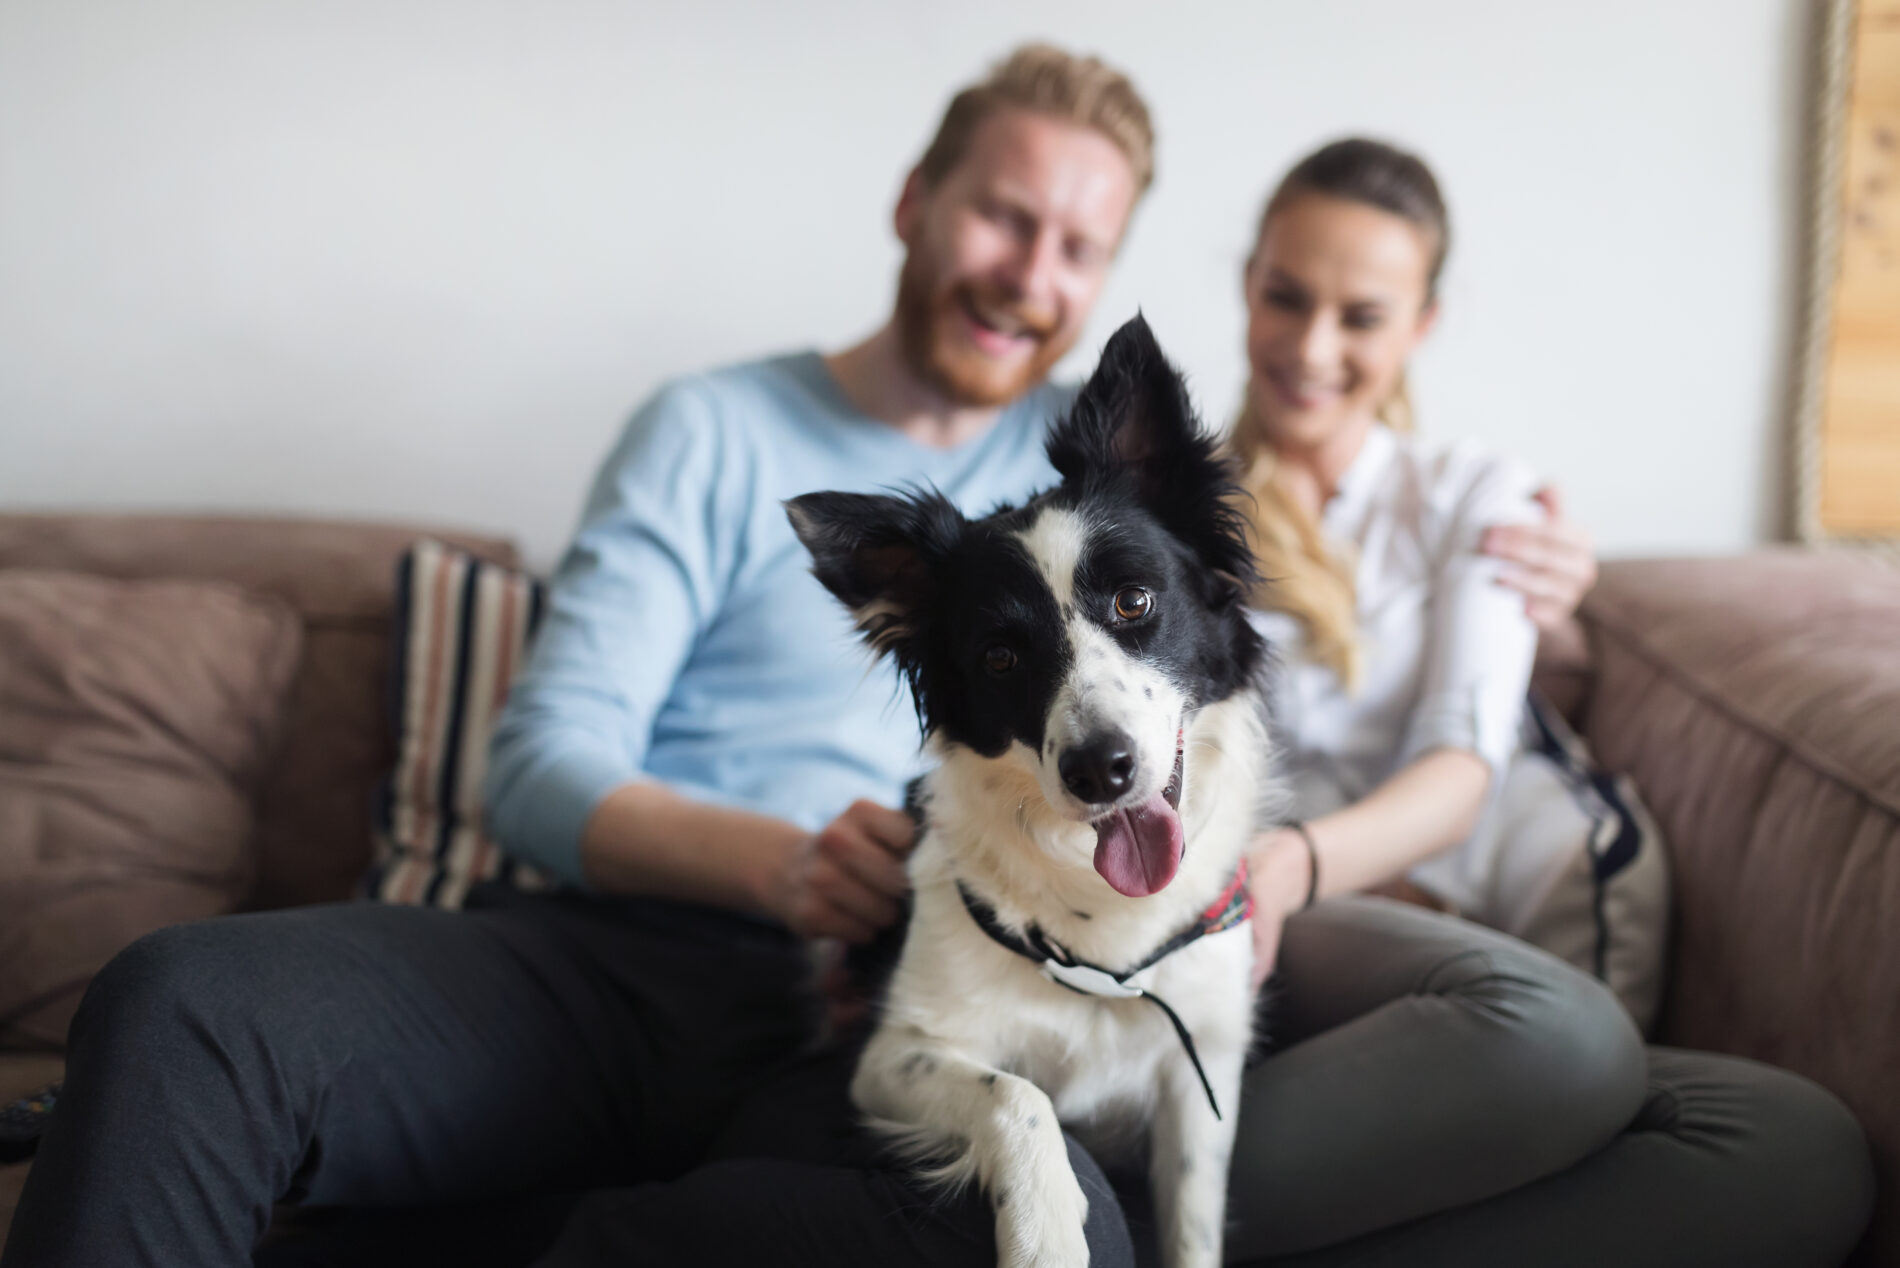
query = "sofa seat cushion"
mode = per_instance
[{"x": 137, "y": 719}]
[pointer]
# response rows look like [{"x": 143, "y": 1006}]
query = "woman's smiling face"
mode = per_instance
[{"x": 1338, "y": 296}]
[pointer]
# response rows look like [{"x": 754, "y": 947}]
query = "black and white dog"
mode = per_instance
[{"x": 1086, "y": 677}]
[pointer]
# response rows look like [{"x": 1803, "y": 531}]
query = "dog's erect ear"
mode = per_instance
[
  {"x": 874, "y": 553},
  {"x": 1132, "y": 415},
  {"x": 1133, "y": 420}
]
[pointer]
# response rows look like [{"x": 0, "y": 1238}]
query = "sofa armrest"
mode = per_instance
[{"x": 1756, "y": 702}]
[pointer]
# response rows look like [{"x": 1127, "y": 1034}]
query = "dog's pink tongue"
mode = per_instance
[{"x": 1138, "y": 850}]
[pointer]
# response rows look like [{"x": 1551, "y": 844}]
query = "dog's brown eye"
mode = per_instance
[
  {"x": 1132, "y": 603},
  {"x": 999, "y": 659}
]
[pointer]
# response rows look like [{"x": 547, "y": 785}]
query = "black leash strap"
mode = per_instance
[{"x": 1062, "y": 968}]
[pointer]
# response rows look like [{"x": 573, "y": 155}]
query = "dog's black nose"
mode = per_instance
[{"x": 1100, "y": 769}]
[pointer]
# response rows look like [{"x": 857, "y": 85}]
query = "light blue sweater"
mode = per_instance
[{"x": 685, "y": 639}]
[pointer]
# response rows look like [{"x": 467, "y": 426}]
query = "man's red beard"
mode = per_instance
[{"x": 927, "y": 314}]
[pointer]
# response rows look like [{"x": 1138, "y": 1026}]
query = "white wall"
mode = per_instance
[{"x": 418, "y": 258}]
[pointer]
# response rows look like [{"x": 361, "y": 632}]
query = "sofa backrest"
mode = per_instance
[{"x": 313, "y": 836}]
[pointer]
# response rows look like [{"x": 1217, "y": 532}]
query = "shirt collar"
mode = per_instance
[{"x": 1362, "y": 474}]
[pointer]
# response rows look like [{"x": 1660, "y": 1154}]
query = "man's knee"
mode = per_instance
[{"x": 174, "y": 985}]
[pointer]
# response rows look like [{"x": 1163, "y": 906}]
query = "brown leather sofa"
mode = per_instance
[{"x": 1756, "y": 700}]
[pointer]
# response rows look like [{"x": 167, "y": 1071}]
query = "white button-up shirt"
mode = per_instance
[{"x": 1446, "y": 651}]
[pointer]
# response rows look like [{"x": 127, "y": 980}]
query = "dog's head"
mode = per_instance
[{"x": 1072, "y": 637}]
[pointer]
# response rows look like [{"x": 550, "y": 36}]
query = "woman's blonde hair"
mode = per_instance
[{"x": 1302, "y": 575}]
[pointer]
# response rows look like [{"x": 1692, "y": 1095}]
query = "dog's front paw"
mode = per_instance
[{"x": 1039, "y": 1220}]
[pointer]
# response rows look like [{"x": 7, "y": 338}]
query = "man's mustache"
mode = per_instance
[{"x": 1040, "y": 323}]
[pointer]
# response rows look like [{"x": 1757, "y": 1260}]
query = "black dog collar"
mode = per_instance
[{"x": 1234, "y": 905}]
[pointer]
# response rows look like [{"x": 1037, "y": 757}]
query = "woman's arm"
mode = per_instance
[
  {"x": 1476, "y": 663},
  {"x": 1425, "y": 807},
  {"x": 1428, "y": 805}
]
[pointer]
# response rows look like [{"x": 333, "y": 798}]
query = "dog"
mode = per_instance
[{"x": 1088, "y": 686}]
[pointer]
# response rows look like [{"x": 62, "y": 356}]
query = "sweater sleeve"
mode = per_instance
[
  {"x": 1480, "y": 643},
  {"x": 642, "y": 579}
]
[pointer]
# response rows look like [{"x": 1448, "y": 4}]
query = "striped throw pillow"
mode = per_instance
[{"x": 461, "y": 630}]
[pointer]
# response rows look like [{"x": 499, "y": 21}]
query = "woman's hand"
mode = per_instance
[
  {"x": 1553, "y": 564},
  {"x": 1279, "y": 876},
  {"x": 846, "y": 880}
]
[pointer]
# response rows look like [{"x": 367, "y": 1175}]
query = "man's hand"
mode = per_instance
[
  {"x": 847, "y": 880},
  {"x": 1553, "y": 563},
  {"x": 1279, "y": 873}
]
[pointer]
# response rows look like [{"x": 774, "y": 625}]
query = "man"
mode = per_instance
[{"x": 697, "y": 748}]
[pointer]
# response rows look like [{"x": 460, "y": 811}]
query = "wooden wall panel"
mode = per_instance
[{"x": 1860, "y": 413}]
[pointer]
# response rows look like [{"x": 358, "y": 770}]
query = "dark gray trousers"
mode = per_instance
[
  {"x": 1442, "y": 1094},
  {"x": 451, "y": 1082},
  {"x": 1438, "y": 1095}
]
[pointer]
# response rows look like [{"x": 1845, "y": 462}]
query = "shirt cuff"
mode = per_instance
[
  {"x": 539, "y": 815},
  {"x": 1481, "y": 720}
]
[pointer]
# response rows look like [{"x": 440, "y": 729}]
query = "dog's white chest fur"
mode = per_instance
[
  {"x": 980, "y": 1060},
  {"x": 1100, "y": 1060}
]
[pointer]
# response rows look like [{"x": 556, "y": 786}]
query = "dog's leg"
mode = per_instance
[
  {"x": 938, "y": 1101},
  {"x": 1189, "y": 1153}
]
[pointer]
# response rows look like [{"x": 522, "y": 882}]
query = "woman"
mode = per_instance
[{"x": 1441, "y": 1093}]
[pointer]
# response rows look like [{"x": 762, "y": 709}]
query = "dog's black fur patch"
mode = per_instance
[{"x": 939, "y": 592}]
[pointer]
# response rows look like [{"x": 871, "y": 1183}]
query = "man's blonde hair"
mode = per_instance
[{"x": 1048, "y": 81}]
